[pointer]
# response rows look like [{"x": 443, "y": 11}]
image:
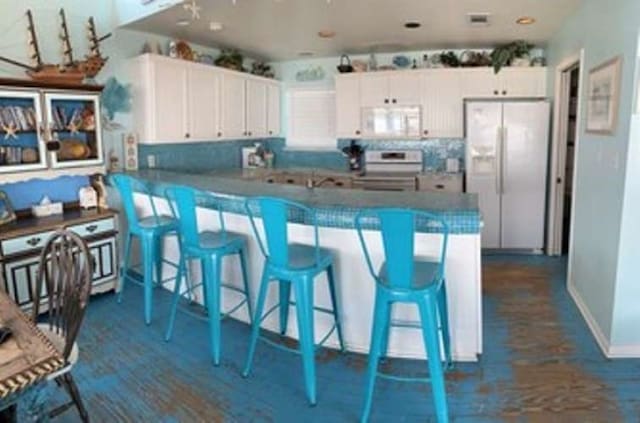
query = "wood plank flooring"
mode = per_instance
[{"x": 540, "y": 364}]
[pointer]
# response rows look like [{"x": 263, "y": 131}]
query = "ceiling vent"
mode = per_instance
[{"x": 478, "y": 19}]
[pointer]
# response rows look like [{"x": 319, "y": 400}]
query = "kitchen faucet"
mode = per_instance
[{"x": 311, "y": 184}]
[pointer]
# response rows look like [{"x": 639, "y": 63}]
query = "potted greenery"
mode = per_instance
[{"x": 509, "y": 54}]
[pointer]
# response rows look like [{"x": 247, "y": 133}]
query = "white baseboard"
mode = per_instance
[{"x": 602, "y": 341}]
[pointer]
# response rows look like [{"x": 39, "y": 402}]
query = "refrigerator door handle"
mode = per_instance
[
  {"x": 503, "y": 146},
  {"x": 498, "y": 160}
]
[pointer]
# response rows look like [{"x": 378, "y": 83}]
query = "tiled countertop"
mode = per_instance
[{"x": 335, "y": 207}]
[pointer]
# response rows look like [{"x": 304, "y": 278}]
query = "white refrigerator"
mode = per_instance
[{"x": 506, "y": 159}]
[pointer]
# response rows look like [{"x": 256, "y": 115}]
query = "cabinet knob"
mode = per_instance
[
  {"x": 504, "y": 92},
  {"x": 357, "y": 132},
  {"x": 250, "y": 133},
  {"x": 91, "y": 228},
  {"x": 187, "y": 135},
  {"x": 394, "y": 101},
  {"x": 426, "y": 132},
  {"x": 386, "y": 101},
  {"x": 219, "y": 134},
  {"x": 495, "y": 92},
  {"x": 33, "y": 241},
  {"x": 270, "y": 132}
]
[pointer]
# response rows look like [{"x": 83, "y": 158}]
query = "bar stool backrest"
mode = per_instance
[
  {"x": 397, "y": 227},
  {"x": 276, "y": 213},
  {"x": 126, "y": 186}
]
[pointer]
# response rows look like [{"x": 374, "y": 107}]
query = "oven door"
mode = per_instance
[{"x": 385, "y": 184}]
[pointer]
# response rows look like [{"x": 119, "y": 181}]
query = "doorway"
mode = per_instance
[{"x": 563, "y": 157}]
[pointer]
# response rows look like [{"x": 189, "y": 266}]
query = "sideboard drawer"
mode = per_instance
[
  {"x": 94, "y": 228},
  {"x": 25, "y": 243}
]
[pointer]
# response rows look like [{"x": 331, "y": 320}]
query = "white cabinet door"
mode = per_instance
[
  {"x": 203, "y": 103},
  {"x": 170, "y": 100},
  {"x": 479, "y": 83},
  {"x": 256, "y": 125},
  {"x": 273, "y": 110},
  {"x": 374, "y": 90},
  {"x": 442, "y": 104},
  {"x": 348, "y": 106},
  {"x": 233, "y": 106},
  {"x": 523, "y": 82},
  {"x": 404, "y": 88}
]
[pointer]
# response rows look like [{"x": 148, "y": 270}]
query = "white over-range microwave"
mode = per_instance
[{"x": 392, "y": 122}]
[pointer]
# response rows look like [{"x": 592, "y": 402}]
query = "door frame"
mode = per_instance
[{"x": 558, "y": 160}]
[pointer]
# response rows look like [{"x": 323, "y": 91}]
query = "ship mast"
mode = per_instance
[
  {"x": 33, "y": 42},
  {"x": 94, "y": 44},
  {"x": 67, "y": 51}
]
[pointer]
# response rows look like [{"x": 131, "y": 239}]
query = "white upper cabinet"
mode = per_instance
[
  {"x": 348, "y": 106},
  {"x": 442, "y": 104},
  {"x": 400, "y": 88},
  {"x": 233, "y": 106},
  {"x": 508, "y": 83},
  {"x": 204, "y": 104},
  {"x": 256, "y": 108},
  {"x": 168, "y": 116},
  {"x": 273, "y": 109}
]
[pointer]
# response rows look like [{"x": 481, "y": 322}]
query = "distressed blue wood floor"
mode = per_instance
[{"x": 540, "y": 364}]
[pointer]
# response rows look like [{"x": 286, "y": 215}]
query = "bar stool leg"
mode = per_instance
[
  {"x": 304, "y": 309},
  {"x": 176, "y": 297},
  {"x": 386, "y": 333},
  {"x": 443, "y": 315},
  {"x": 125, "y": 265},
  {"x": 428, "y": 314},
  {"x": 211, "y": 280},
  {"x": 336, "y": 313},
  {"x": 148, "y": 258},
  {"x": 284, "y": 290},
  {"x": 255, "y": 330},
  {"x": 245, "y": 281},
  {"x": 159, "y": 245},
  {"x": 380, "y": 322}
]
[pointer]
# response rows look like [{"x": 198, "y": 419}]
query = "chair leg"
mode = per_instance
[
  {"x": 428, "y": 315},
  {"x": 245, "y": 281},
  {"x": 380, "y": 323},
  {"x": 284, "y": 290},
  {"x": 211, "y": 280},
  {"x": 74, "y": 393},
  {"x": 386, "y": 333},
  {"x": 176, "y": 297},
  {"x": 304, "y": 309},
  {"x": 443, "y": 314},
  {"x": 257, "y": 317},
  {"x": 125, "y": 265},
  {"x": 334, "y": 302},
  {"x": 159, "y": 253},
  {"x": 148, "y": 260}
]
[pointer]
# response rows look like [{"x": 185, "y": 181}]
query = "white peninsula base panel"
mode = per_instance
[{"x": 354, "y": 284}]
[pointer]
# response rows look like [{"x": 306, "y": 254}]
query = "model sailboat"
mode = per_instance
[{"x": 70, "y": 71}]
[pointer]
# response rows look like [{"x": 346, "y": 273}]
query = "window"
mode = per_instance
[{"x": 311, "y": 118}]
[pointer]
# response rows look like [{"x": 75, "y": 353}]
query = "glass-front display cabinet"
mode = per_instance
[
  {"x": 21, "y": 145},
  {"x": 74, "y": 121}
]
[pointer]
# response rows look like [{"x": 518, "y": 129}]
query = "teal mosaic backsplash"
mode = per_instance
[{"x": 203, "y": 156}]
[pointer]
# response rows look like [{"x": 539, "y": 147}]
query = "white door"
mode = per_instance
[
  {"x": 442, "y": 104},
  {"x": 256, "y": 108},
  {"x": 170, "y": 102},
  {"x": 374, "y": 90},
  {"x": 484, "y": 123},
  {"x": 348, "y": 106},
  {"x": 273, "y": 110},
  {"x": 523, "y": 82},
  {"x": 233, "y": 106},
  {"x": 524, "y": 174},
  {"x": 480, "y": 83},
  {"x": 204, "y": 103},
  {"x": 404, "y": 88}
]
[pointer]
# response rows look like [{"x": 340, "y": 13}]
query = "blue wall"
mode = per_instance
[
  {"x": 25, "y": 194},
  {"x": 604, "y": 30}
]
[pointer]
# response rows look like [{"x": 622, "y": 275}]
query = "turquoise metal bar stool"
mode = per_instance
[
  {"x": 210, "y": 248},
  {"x": 294, "y": 265},
  {"x": 150, "y": 230},
  {"x": 403, "y": 278}
]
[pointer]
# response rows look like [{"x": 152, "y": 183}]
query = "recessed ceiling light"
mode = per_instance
[
  {"x": 183, "y": 22},
  {"x": 215, "y": 26},
  {"x": 412, "y": 25},
  {"x": 525, "y": 20},
  {"x": 326, "y": 33},
  {"x": 305, "y": 54}
]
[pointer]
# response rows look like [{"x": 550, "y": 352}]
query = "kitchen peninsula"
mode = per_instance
[{"x": 336, "y": 209}]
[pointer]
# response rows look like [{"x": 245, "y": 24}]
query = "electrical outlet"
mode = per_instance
[{"x": 151, "y": 161}]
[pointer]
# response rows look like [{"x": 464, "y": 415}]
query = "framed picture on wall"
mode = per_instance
[{"x": 603, "y": 97}]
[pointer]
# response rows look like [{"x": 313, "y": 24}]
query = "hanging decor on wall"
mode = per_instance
[
  {"x": 116, "y": 98},
  {"x": 603, "y": 97}
]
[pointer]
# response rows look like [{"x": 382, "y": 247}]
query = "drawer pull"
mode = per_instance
[
  {"x": 440, "y": 186},
  {"x": 34, "y": 241},
  {"x": 91, "y": 228}
]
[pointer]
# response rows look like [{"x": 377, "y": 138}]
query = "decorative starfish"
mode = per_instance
[
  {"x": 194, "y": 9},
  {"x": 73, "y": 128},
  {"x": 10, "y": 131}
]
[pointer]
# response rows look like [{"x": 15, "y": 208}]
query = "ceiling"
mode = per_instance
[{"x": 282, "y": 29}]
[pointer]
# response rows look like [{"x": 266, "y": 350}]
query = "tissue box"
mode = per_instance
[{"x": 43, "y": 210}]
